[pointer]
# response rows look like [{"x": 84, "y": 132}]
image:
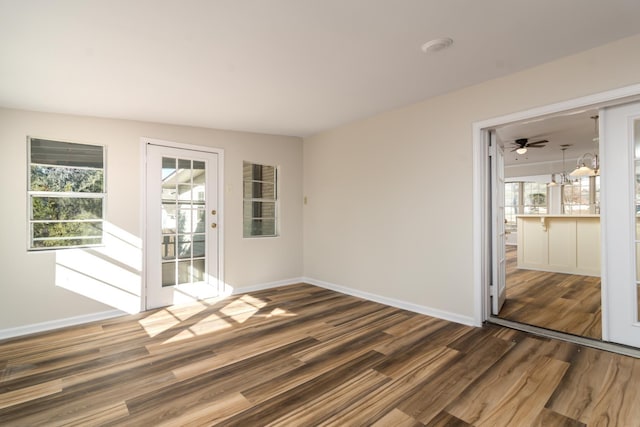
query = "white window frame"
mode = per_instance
[
  {"x": 275, "y": 200},
  {"x": 63, "y": 195}
]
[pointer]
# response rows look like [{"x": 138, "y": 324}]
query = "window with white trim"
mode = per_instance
[
  {"x": 582, "y": 197},
  {"x": 260, "y": 195},
  {"x": 523, "y": 197},
  {"x": 66, "y": 194}
]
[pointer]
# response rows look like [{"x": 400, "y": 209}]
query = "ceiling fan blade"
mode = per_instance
[{"x": 541, "y": 142}]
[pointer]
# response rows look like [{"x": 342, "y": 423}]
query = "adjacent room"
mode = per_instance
[
  {"x": 552, "y": 213},
  {"x": 297, "y": 213}
]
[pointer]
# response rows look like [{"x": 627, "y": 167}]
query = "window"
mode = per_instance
[
  {"x": 260, "y": 184},
  {"x": 582, "y": 196},
  {"x": 528, "y": 198},
  {"x": 511, "y": 205},
  {"x": 66, "y": 193},
  {"x": 535, "y": 198}
]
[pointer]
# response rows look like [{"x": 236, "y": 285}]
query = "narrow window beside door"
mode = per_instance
[
  {"x": 260, "y": 184},
  {"x": 66, "y": 192}
]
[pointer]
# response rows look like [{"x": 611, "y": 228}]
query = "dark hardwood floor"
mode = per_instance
[
  {"x": 305, "y": 356},
  {"x": 561, "y": 302}
]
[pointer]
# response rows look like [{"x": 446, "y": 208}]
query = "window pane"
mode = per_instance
[
  {"x": 260, "y": 227},
  {"x": 168, "y": 247},
  {"x": 184, "y": 272},
  {"x": 259, "y": 210},
  {"x": 168, "y": 219},
  {"x": 198, "y": 270},
  {"x": 198, "y": 245},
  {"x": 184, "y": 246},
  {"x": 259, "y": 190},
  {"x": 184, "y": 192},
  {"x": 58, "y": 153},
  {"x": 168, "y": 274},
  {"x": 199, "y": 221},
  {"x": 256, "y": 172},
  {"x": 198, "y": 172},
  {"x": 66, "y": 243},
  {"x": 184, "y": 221},
  {"x": 67, "y": 229},
  {"x": 65, "y": 179},
  {"x": 65, "y": 208}
]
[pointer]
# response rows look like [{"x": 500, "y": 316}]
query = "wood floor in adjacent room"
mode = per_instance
[
  {"x": 304, "y": 356},
  {"x": 562, "y": 302}
]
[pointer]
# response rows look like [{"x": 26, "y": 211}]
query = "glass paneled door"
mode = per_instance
[
  {"x": 182, "y": 225},
  {"x": 620, "y": 166}
]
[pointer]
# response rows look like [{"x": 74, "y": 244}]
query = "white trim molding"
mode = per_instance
[
  {"x": 59, "y": 323},
  {"x": 415, "y": 308}
]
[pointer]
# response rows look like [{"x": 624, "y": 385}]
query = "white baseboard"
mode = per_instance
[
  {"x": 433, "y": 312},
  {"x": 78, "y": 320},
  {"x": 59, "y": 323},
  {"x": 262, "y": 286}
]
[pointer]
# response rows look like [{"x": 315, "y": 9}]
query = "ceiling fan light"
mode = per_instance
[{"x": 521, "y": 150}]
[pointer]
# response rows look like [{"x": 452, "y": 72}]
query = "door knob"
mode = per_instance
[
  {"x": 213, "y": 212},
  {"x": 214, "y": 225}
]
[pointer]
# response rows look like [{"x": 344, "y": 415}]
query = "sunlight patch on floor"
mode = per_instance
[
  {"x": 243, "y": 308},
  {"x": 210, "y": 324}
]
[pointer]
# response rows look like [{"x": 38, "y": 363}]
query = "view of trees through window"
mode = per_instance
[{"x": 66, "y": 194}]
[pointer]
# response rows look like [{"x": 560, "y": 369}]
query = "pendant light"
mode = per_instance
[
  {"x": 588, "y": 164},
  {"x": 564, "y": 178}
]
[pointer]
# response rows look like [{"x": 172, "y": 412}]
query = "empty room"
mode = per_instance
[{"x": 300, "y": 213}]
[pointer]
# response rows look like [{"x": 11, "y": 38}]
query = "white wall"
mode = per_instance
[
  {"x": 29, "y": 293},
  {"x": 390, "y": 197}
]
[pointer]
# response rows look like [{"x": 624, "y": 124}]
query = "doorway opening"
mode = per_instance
[
  {"x": 538, "y": 225},
  {"x": 551, "y": 223}
]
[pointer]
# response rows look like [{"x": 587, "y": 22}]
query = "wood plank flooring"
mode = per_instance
[
  {"x": 561, "y": 302},
  {"x": 305, "y": 356}
]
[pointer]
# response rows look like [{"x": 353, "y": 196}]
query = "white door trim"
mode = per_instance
[
  {"x": 480, "y": 171},
  {"x": 144, "y": 142}
]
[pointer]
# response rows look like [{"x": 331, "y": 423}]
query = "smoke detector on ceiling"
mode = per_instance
[{"x": 437, "y": 45}]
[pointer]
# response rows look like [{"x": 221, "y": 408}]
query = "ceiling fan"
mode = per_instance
[{"x": 522, "y": 144}]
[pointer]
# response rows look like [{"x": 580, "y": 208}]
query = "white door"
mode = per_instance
[
  {"x": 498, "y": 282},
  {"x": 182, "y": 225},
  {"x": 620, "y": 192}
]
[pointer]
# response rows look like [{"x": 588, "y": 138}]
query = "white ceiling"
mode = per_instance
[
  {"x": 575, "y": 130},
  {"x": 293, "y": 67}
]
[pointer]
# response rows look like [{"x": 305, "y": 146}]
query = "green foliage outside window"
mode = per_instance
[{"x": 66, "y": 193}]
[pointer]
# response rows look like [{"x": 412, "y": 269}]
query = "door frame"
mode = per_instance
[
  {"x": 144, "y": 143},
  {"x": 482, "y": 197}
]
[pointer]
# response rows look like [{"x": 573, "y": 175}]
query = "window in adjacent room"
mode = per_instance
[
  {"x": 582, "y": 196},
  {"x": 520, "y": 197},
  {"x": 512, "y": 205},
  {"x": 66, "y": 194},
  {"x": 534, "y": 198},
  {"x": 260, "y": 184}
]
